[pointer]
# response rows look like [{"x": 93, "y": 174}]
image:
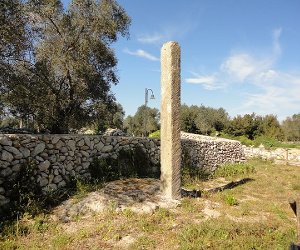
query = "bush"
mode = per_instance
[
  {"x": 155, "y": 134},
  {"x": 230, "y": 200}
]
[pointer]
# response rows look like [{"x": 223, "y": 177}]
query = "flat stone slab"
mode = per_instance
[{"x": 138, "y": 195}]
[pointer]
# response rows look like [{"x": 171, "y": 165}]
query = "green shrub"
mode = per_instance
[
  {"x": 155, "y": 134},
  {"x": 230, "y": 200}
]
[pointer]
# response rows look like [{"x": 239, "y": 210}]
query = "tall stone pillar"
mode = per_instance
[{"x": 170, "y": 121}]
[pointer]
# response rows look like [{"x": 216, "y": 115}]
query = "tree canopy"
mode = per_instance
[
  {"x": 144, "y": 122},
  {"x": 203, "y": 120},
  {"x": 291, "y": 128},
  {"x": 69, "y": 67}
]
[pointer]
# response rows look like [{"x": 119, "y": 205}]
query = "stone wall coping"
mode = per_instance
[{"x": 196, "y": 137}]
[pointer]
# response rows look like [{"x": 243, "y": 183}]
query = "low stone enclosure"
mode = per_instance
[
  {"x": 288, "y": 155},
  {"x": 57, "y": 159}
]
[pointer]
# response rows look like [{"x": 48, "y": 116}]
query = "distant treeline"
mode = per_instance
[{"x": 216, "y": 122}]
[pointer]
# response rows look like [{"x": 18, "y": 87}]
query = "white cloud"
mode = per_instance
[
  {"x": 242, "y": 66},
  {"x": 209, "y": 82},
  {"x": 141, "y": 53},
  {"x": 152, "y": 39},
  {"x": 173, "y": 31},
  {"x": 269, "y": 90},
  {"x": 277, "y": 93}
]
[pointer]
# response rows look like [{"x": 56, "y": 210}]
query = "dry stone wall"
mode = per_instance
[
  {"x": 208, "y": 153},
  {"x": 59, "y": 158},
  {"x": 289, "y": 155}
]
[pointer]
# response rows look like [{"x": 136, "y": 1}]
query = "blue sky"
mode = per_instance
[{"x": 241, "y": 55}]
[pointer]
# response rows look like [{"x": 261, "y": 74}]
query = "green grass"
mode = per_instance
[
  {"x": 235, "y": 170},
  {"x": 144, "y": 243},
  {"x": 254, "y": 215},
  {"x": 228, "y": 235}
]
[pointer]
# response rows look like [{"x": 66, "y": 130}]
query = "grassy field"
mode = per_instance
[{"x": 253, "y": 215}]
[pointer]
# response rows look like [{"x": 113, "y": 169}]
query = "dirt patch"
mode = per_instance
[{"x": 138, "y": 195}]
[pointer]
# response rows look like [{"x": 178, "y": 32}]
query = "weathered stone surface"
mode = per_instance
[
  {"x": 87, "y": 141},
  {"x": 99, "y": 146},
  {"x": 40, "y": 159},
  {"x": 25, "y": 152},
  {"x": 52, "y": 187},
  {"x": 57, "y": 179},
  {"x": 69, "y": 167},
  {"x": 44, "y": 165},
  {"x": 6, "y": 172},
  {"x": 5, "y": 141},
  {"x": 39, "y": 148},
  {"x": 59, "y": 144},
  {"x": 84, "y": 153},
  {"x": 64, "y": 150},
  {"x": 61, "y": 184},
  {"x": 72, "y": 145},
  {"x": 170, "y": 120},
  {"x": 43, "y": 182},
  {"x": 106, "y": 148},
  {"x": 52, "y": 158},
  {"x": 55, "y": 139},
  {"x": 62, "y": 158},
  {"x": 13, "y": 150},
  {"x": 4, "y": 164},
  {"x": 16, "y": 168},
  {"x": 6, "y": 156},
  {"x": 85, "y": 165},
  {"x": 80, "y": 143}
]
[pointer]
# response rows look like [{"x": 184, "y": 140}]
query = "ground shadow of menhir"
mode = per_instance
[
  {"x": 197, "y": 193},
  {"x": 230, "y": 185}
]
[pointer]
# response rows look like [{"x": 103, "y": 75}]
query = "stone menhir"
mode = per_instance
[{"x": 170, "y": 121}]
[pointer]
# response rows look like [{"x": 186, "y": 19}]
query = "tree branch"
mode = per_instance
[{"x": 55, "y": 26}]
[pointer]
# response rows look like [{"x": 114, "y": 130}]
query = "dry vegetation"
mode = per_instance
[{"x": 254, "y": 215}]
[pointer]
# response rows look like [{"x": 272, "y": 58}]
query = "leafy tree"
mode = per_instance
[
  {"x": 253, "y": 126},
  {"x": 107, "y": 116},
  {"x": 14, "y": 40},
  {"x": 188, "y": 116},
  {"x": 270, "y": 127},
  {"x": 72, "y": 67},
  {"x": 203, "y": 120},
  {"x": 291, "y": 128},
  {"x": 244, "y": 125},
  {"x": 144, "y": 122}
]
